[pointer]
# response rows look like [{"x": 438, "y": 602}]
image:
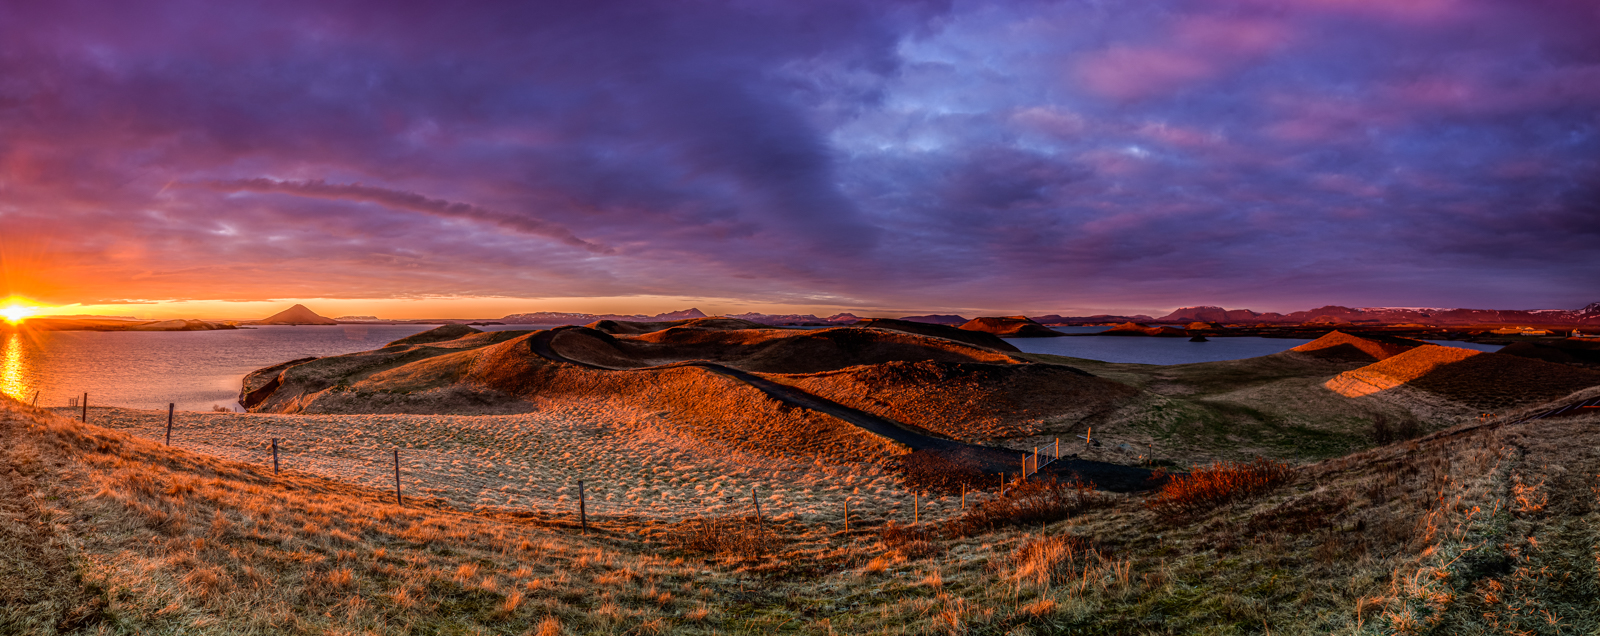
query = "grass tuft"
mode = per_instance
[
  {"x": 1206, "y": 488},
  {"x": 726, "y": 537},
  {"x": 1027, "y": 503}
]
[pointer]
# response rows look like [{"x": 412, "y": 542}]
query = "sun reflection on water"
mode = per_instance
[{"x": 11, "y": 368}]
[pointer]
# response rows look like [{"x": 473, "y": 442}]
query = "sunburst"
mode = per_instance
[{"x": 16, "y": 309}]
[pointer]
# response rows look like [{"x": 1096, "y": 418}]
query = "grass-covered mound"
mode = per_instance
[
  {"x": 625, "y": 327},
  {"x": 978, "y": 338},
  {"x": 1010, "y": 327},
  {"x": 973, "y": 402},
  {"x": 785, "y": 350},
  {"x": 1343, "y": 347},
  {"x": 443, "y": 333},
  {"x": 1476, "y": 379},
  {"x": 1581, "y": 352}
]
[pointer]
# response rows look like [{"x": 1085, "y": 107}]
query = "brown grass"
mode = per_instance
[
  {"x": 1206, "y": 488},
  {"x": 769, "y": 350},
  {"x": 1336, "y": 345},
  {"x": 1048, "y": 561},
  {"x": 1481, "y": 380},
  {"x": 152, "y": 539},
  {"x": 1031, "y": 502},
  {"x": 739, "y": 537},
  {"x": 1445, "y": 534},
  {"x": 972, "y": 402}
]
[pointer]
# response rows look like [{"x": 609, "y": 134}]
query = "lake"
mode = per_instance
[
  {"x": 198, "y": 370},
  {"x": 147, "y": 369},
  {"x": 1144, "y": 350}
]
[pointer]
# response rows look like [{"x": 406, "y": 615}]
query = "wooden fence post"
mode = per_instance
[
  {"x": 847, "y": 515},
  {"x": 1002, "y": 484},
  {"x": 274, "y": 455},
  {"x": 170, "y": 407},
  {"x": 758, "y": 507},
  {"x": 85, "y": 417},
  {"x": 1088, "y": 438},
  {"x": 1058, "y": 448},
  {"x": 397, "y": 498},
  {"x": 963, "y": 495},
  {"x": 36, "y": 399},
  {"x": 583, "y": 512},
  {"x": 916, "y": 508}
]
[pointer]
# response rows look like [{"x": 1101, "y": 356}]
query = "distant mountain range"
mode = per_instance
[
  {"x": 1589, "y": 315},
  {"x": 563, "y": 318},
  {"x": 566, "y": 318},
  {"x": 1331, "y": 314}
]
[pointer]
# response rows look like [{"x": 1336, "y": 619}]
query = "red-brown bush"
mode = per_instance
[{"x": 1223, "y": 482}]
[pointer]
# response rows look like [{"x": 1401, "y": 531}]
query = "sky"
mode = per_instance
[{"x": 415, "y": 160}]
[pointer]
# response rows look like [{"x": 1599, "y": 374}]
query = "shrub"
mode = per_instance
[
  {"x": 726, "y": 536},
  {"x": 1029, "y": 502},
  {"x": 1384, "y": 432},
  {"x": 914, "y": 542},
  {"x": 1223, "y": 482},
  {"x": 1045, "y": 561}
]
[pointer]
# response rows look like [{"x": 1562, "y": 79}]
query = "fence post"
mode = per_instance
[
  {"x": 758, "y": 507},
  {"x": 916, "y": 508},
  {"x": 847, "y": 515},
  {"x": 1058, "y": 448},
  {"x": 583, "y": 512},
  {"x": 36, "y": 399},
  {"x": 1002, "y": 484},
  {"x": 170, "y": 407},
  {"x": 963, "y": 495},
  {"x": 274, "y": 455},
  {"x": 397, "y": 498},
  {"x": 85, "y": 417},
  {"x": 1088, "y": 438}
]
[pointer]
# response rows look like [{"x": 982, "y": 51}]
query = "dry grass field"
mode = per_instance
[
  {"x": 1486, "y": 532},
  {"x": 633, "y": 465}
]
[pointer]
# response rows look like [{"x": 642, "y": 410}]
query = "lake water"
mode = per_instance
[
  {"x": 1143, "y": 350},
  {"x": 148, "y": 369},
  {"x": 200, "y": 369}
]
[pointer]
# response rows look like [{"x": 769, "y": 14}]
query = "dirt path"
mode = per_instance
[{"x": 937, "y": 452}]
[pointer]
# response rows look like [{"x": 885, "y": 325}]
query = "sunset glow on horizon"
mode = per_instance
[
  {"x": 14, "y": 310},
  {"x": 166, "y": 160}
]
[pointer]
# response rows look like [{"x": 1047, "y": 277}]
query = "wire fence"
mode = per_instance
[{"x": 848, "y": 495}]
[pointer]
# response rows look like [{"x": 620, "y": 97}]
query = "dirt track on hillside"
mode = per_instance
[{"x": 931, "y": 451}]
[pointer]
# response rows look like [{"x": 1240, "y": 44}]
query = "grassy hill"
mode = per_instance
[{"x": 1488, "y": 531}]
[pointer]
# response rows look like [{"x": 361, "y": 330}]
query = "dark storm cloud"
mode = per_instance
[{"x": 1002, "y": 155}]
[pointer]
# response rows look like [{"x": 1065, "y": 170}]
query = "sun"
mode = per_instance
[
  {"x": 15, "y": 314},
  {"x": 16, "y": 309}
]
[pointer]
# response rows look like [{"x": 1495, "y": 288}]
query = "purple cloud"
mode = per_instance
[
  {"x": 918, "y": 155},
  {"x": 405, "y": 201}
]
